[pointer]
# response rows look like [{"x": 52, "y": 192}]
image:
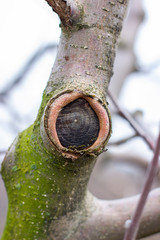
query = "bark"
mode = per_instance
[{"x": 46, "y": 181}]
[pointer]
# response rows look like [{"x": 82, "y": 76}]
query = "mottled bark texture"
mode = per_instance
[{"x": 46, "y": 180}]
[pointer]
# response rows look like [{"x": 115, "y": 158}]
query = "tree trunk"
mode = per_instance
[{"x": 47, "y": 168}]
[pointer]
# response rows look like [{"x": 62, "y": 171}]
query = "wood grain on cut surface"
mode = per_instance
[{"x": 77, "y": 125}]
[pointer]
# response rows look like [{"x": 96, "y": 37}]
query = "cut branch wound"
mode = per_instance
[{"x": 76, "y": 124}]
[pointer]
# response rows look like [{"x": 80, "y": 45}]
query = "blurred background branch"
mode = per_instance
[
  {"x": 140, "y": 131},
  {"x": 22, "y": 74}
]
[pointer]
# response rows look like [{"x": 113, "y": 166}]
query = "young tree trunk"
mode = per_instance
[{"x": 47, "y": 168}]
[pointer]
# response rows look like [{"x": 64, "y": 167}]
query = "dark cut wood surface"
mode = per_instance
[{"x": 77, "y": 125}]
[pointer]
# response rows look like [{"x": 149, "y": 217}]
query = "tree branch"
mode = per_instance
[
  {"x": 122, "y": 141},
  {"x": 67, "y": 10},
  {"x": 107, "y": 218},
  {"x": 63, "y": 11},
  {"x": 132, "y": 230},
  {"x": 39, "y": 53},
  {"x": 101, "y": 219},
  {"x": 135, "y": 125}
]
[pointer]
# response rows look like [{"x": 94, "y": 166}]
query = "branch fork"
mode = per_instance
[{"x": 68, "y": 10}]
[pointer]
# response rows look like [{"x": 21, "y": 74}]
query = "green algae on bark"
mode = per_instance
[{"x": 36, "y": 190}]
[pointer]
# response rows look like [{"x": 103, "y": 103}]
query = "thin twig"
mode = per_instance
[
  {"x": 134, "y": 225},
  {"x": 122, "y": 141},
  {"x": 39, "y": 53},
  {"x": 135, "y": 125}
]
